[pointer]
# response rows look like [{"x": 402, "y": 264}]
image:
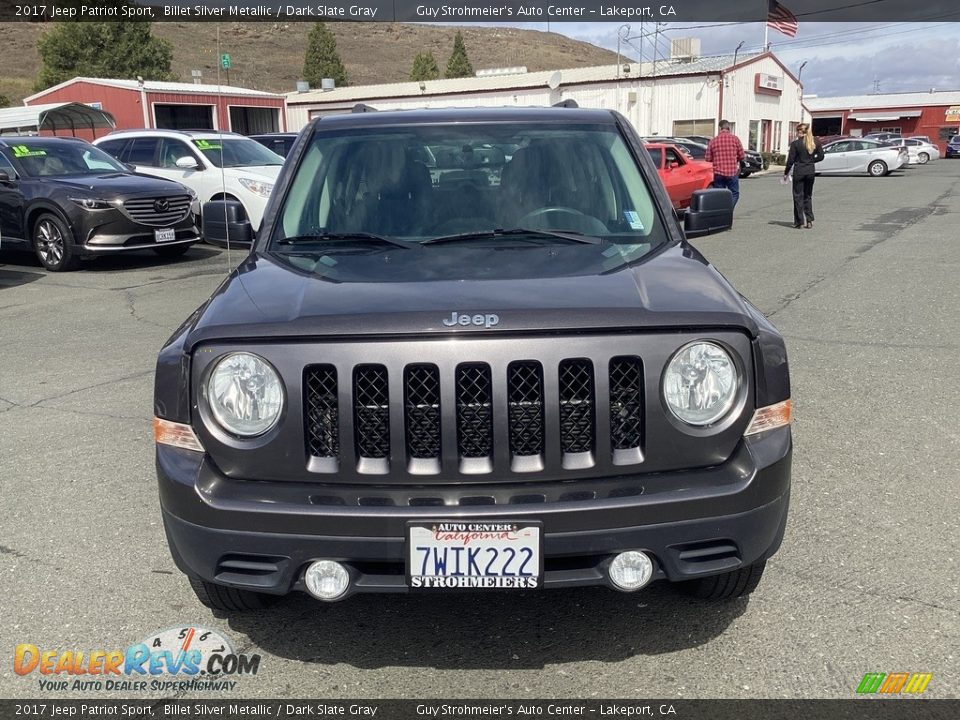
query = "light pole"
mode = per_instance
[{"x": 800, "y": 87}]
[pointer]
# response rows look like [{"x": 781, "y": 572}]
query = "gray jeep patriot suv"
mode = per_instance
[{"x": 473, "y": 350}]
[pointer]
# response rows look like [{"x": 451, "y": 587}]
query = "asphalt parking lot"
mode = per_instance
[{"x": 866, "y": 581}]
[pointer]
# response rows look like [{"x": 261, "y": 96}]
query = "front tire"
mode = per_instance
[
  {"x": 727, "y": 586},
  {"x": 227, "y": 599},
  {"x": 53, "y": 244},
  {"x": 877, "y": 168}
]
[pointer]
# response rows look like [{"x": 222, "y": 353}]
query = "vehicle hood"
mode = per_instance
[
  {"x": 264, "y": 298},
  {"x": 267, "y": 173},
  {"x": 114, "y": 184}
]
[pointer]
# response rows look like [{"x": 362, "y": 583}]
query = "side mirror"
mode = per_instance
[
  {"x": 710, "y": 211},
  {"x": 187, "y": 162},
  {"x": 4, "y": 177},
  {"x": 673, "y": 166},
  {"x": 129, "y": 166}
]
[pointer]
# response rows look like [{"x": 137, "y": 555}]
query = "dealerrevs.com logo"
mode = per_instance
[{"x": 177, "y": 659}]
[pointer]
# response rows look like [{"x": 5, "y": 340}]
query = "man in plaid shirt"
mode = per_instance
[{"x": 726, "y": 152}]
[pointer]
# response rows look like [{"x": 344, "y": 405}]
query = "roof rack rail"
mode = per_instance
[
  {"x": 361, "y": 108},
  {"x": 566, "y": 104}
]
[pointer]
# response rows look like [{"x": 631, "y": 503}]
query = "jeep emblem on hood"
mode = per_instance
[{"x": 487, "y": 320}]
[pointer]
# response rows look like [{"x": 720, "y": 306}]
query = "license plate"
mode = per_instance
[
  {"x": 165, "y": 235},
  {"x": 447, "y": 555}
]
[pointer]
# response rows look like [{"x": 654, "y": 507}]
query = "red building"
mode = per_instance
[
  {"x": 935, "y": 114},
  {"x": 172, "y": 106}
]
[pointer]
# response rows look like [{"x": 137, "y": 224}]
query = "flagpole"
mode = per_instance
[{"x": 766, "y": 37}]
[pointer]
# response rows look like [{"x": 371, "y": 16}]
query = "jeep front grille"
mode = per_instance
[
  {"x": 371, "y": 411},
  {"x": 463, "y": 418}
]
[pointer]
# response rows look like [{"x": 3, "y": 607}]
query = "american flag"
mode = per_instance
[{"x": 781, "y": 19}]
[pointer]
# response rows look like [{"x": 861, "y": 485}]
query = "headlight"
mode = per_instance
[
  {"x": 245, "y": 394},
  {"x": 92, "y": 203},
  {"x": 257, "y": 187},
  {"x": 700, "y": 383}
]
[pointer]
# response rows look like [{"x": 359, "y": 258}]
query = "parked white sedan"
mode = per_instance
[
  {"x": 920, "y": 152},
  {"x": 859, "y": 155}
]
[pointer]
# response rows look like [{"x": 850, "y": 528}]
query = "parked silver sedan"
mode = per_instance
[
  {"x": 859, "y": 155},
  {"x": 920, "y": 152}
]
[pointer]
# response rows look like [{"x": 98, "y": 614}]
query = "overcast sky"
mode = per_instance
[{"x": 842, "y": 58}]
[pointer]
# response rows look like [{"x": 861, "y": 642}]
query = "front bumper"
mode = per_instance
[
  {"x": 108, "y": 232},
  {"x": 261, "y": 535}
]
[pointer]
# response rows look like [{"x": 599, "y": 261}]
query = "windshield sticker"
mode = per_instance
[
  {"x": 22, "y": 151},
  {"x": 207, "y": 145},
  {"x": 633, "y": 220}
]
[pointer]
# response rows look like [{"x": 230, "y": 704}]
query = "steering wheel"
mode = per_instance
[
  {"x": 563, "y": 218},
  {"x": 530, "y": 216}
]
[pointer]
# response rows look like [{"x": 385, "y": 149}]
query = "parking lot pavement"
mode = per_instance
[{"x": 866, "y": 580}]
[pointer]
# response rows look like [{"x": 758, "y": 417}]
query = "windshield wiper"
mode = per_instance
[
  {"x": 519, "y": 234},
  {"x": 357, "y": 238}
]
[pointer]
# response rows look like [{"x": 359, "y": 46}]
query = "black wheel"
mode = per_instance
[
  {"x": 877, "y": 168},
  {"x": 53, "y": 243},
  {"x": 727, "y": 586},
  {"x": 227, "y": 599},
  {"x": 171, "y": 251}
]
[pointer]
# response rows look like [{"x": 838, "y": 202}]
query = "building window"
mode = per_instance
[
  {"x": 754, "y": 140},
  {"x": 687, "y": 128}
]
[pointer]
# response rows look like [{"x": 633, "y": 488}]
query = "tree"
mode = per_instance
[
  {"x": 322, "y": 60},
  {"x": 102, "y": 49},
  {"x": 4, "y": 101},
  {"x": 424, "y": 67},
  {"x": 459, "y": 64}
]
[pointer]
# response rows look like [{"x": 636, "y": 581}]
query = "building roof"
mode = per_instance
[
  {"x": 885, "y": 100},
  {"x": 572, "y": 76},
  {"x": 55, "y": 116},
  {"x": 160, "y": 87}
]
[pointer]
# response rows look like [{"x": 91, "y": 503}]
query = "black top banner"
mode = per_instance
[{"x": 451, "y": 11}]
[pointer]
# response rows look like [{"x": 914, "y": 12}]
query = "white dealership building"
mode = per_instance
[{"x": 683, "y": 95}]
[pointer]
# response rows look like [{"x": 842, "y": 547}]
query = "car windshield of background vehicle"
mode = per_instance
[
  {"x": 474, "y": 187},
  {"x": 237, "y": 152},
  {"x": 56, "y": 159}
]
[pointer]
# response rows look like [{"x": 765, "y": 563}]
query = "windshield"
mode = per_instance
[
  {"x": 56, "y": 159},
  {"x": 468, "y": 184},
  {"x": 237, "y": 152}
]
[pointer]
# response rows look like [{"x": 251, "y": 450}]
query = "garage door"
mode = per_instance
[
  {"x": 184, "y": 117},
  {"x": 685, "y": 128},
  {"x": 254, "y": 120}
]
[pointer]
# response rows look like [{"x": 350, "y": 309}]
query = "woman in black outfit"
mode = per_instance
[{"x": 805, "y": 152}]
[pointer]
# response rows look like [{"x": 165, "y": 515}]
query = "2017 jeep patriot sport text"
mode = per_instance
[{"x": 472, "y": 349}]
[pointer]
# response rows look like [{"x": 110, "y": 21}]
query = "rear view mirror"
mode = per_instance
[
  {"x": 187, "y": 163},
  {"x": 710, "y": 211}
]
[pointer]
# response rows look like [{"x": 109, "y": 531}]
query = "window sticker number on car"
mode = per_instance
[
  {"x": 207, "y": 145},
  {"x": 633, "y": 219},
  {"x": 22, "y": 151}
]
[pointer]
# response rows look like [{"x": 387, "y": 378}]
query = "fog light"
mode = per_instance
[
  {"x": 326, "y": 579},
  {"x": 631, "y": 570}
]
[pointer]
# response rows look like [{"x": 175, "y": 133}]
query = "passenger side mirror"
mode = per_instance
[
  {"x": 710, "y": 211},
  {"x": 673, "y": 166},
  {"x": 187, "y": 162},
  {"x": 4, "y": 177},
  {"x": 132, "y": 168}
]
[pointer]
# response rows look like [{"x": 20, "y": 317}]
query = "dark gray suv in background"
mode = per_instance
[
  {"x": 473, "y": 350},
  {"x": 68, "y": 201}
]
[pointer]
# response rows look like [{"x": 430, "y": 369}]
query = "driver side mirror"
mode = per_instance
[
  {"x": 187, "y": 162},
  {"x": 129, "y": 166},
  {"x": 710, "y": 211},
  {"x": 673, "y": 165},
  {"x": 5, "y": 177}
]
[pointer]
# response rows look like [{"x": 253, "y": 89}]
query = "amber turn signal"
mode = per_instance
[
  {"x": 179, "y": 435},
  {"x": 770, "y": 417}
]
